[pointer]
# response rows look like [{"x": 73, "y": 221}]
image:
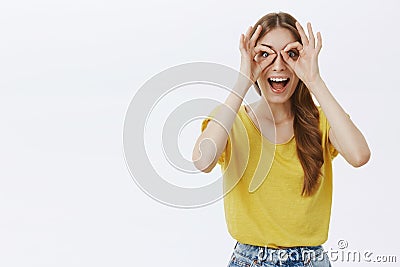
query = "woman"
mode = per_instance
[{"x": 277, "y": 157}]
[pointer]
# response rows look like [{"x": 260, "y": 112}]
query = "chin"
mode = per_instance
[{"x": 275, "y": 100}]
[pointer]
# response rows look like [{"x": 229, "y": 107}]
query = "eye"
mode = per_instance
[
  {"x": 292, "y": 54},
  {"x": 265, "y": 54}
]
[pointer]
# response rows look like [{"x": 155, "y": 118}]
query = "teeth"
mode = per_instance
[{"x": 278, "y": 79}]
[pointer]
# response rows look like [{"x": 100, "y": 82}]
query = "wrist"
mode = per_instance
[
  {"x": 243, "y": 82},
  {"x": 315, "y": 84},
  {"x": 242, "y": 86}
]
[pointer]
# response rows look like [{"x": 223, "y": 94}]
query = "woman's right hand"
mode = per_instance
[{"x": 254, "y": 59}]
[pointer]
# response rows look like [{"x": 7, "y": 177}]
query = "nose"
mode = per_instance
[{"x": 279, "y": 63}]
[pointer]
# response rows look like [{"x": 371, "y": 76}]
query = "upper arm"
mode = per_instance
[
  {"x": 328, "y": 136},
  {"x": 221, "y": 159},
  {"x": 334, "y": 143}
]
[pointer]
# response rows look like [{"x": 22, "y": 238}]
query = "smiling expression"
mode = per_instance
[{"x": 278, "y": 81}]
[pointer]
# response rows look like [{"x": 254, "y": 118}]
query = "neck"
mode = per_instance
[{"x": 277, "y": 112}]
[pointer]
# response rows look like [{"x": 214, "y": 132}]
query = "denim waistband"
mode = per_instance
[{"x": 277, "y": 255}]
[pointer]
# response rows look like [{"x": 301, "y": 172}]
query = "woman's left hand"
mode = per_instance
[{"x": 304, "y": 61}]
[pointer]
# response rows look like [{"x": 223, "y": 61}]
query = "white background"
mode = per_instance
[{"x": 68, "y": 71}]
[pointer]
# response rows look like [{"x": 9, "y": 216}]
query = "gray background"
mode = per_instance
[{"x": 68, "y": 71}]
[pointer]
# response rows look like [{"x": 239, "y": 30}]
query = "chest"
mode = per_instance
[{"x": 275, "y": 133}]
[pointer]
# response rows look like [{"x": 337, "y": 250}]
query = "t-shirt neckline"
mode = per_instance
[{"x": 259, "y": 132}]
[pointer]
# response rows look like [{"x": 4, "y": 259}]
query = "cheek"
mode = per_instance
[
  {"x": 295, "y": 82},
  {"x": 262, "y": 80}
]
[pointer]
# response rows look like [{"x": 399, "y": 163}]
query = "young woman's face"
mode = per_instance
[{"x": 278, "y": 81}]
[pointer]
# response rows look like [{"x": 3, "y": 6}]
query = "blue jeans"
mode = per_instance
[{"x": 245, "y": 255}]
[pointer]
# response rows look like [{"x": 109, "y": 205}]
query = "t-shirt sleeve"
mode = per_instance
[
  {"x": 332, "y": 150},
  {"x": 221, "y": 159}
]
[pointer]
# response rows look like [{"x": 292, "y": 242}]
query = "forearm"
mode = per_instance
[{"x": 348, "y": 138}]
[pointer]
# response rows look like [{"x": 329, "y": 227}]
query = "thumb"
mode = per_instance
[
  {"x": 287, "y": 59},
  {"x": 266, "y": 62}
]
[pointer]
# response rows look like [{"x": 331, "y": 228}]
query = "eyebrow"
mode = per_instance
[
  {"x": 267, "y": 45},
  {"x": 270, "y": 47}
]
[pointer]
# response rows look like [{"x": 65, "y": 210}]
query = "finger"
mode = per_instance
[
  {"x": 319, "y": 44},
  {"x": 311, "y": 35},
  {"x": 303, "y": 35},
  {"x": 241, "y": 43},
  {"x": 249, "y": 30},
  {"x": 294, "y": 45},
  {"x": 243, "y": 47},
  {"x": 255, "y": 36},
  {"x": 287, "y": 59},
  {"x": 258, "y": 51},
  {"x": 266, "y": 62},
  {"x": 247, "y": 36},
  {"x": 264, "y": 48}
]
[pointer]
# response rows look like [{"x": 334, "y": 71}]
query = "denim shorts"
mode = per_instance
[{"x": 245, "y": 255}]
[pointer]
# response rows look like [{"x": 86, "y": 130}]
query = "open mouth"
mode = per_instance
[{"x": 278, "y": 85}]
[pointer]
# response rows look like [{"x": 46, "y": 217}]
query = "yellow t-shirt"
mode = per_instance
[{"x": 262, "y": 186}]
